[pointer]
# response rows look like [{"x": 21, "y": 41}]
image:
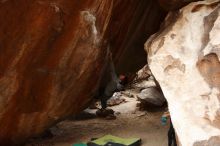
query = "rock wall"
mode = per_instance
[
  {"x": 52, "y": 53},
  {"x": 184, "y": 58}
]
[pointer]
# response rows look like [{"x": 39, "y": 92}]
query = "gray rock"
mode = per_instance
[{"x": 152, "y": 95}]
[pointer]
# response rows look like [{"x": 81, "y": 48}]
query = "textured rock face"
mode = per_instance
[
  {"x": 46, "y": 52},
  {"x": 184, "y": 58},
  {"x": 52, "y": 53}
]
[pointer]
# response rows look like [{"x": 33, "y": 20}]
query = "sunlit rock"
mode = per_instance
[{"x": 184, "y": 58}]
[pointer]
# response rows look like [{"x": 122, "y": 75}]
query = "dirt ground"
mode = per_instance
[{"x": 130, "y": 123}]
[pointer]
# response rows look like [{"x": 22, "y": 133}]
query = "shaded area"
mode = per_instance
[
  {"x": 128, "y": 31},
  {"x": 171, "y": 5}
]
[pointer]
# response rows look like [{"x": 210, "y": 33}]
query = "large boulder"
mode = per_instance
[
  {"x": 184, "y": 58},
  {"x": 52, "y": 53}
]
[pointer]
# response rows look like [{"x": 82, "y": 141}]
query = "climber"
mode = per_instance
[
  {"x": 109, "y": 84},
  {"x": 114, "y": 85},
  {"x": 171, "y": 133}
]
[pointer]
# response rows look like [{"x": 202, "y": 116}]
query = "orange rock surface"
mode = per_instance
[{"x": 53, "y": 51}]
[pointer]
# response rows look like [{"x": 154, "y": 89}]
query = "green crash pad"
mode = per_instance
[{"x": 110, "y": 140}]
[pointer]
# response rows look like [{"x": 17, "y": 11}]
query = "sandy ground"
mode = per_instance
[{"x": 130, "y": 123}]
